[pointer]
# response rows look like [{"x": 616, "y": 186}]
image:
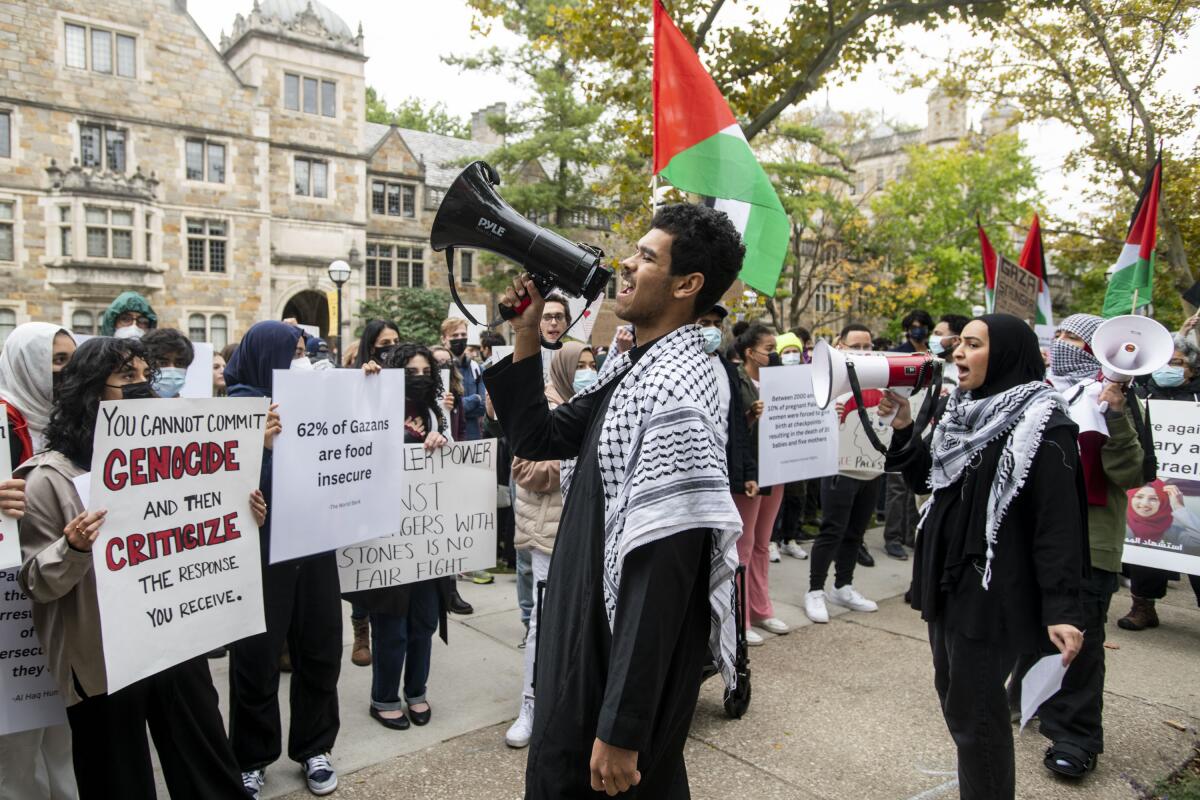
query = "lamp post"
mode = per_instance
[{"x": 339, "y": 273}]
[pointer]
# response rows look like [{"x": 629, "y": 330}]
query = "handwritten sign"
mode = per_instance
[
  {"x": 796, "y": 439},
  {"x": 177, "y": 559},
  {"x": 445, "y": 521},
  {"x": 10, "y": 545},
  {"x": 337, "y": 460},
  {"x": 29, "y": 697},
  {"x": 1016, "y": 290}
]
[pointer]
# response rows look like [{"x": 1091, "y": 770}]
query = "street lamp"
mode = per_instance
[{"x": 339, "y": 273}]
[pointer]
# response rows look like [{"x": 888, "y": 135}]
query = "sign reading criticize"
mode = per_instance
[
  {"x": 177, "y": 559},
  {"x": 10, "y": 545},
  {"x": 796, "y": 439},
  {"x": 1016, "y": 290},
  {"x": 338, "y": 459},
  {"x": 444, "y": 516}
]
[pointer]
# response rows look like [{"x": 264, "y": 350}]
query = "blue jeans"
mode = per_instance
[
  {"x": 396, "y": 640},
  {"x": 525, "y": 584}
]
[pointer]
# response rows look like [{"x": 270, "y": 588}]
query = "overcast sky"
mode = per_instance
[{"x": 406, "y": 38}]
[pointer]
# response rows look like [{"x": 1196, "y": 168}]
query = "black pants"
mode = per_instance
[
  {"x": 846, "y": 508},
  {"x": 111, "y": 754},
  {"x": 304, "y": 609},
  {"x": 1150, "y": 583},
  {"x": 900, "y": 518},
  {"x": 1075, "y": 714},
  {"x": 969, "y": 676}
]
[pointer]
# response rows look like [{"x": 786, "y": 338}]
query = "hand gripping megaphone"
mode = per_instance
[
  {"x": 1131, "y": 345},
  {"x": 473, "y": 214},
  {"x": 836, "y": 372}
]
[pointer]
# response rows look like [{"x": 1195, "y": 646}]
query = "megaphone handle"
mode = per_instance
[{"x": 512, "y": 312}]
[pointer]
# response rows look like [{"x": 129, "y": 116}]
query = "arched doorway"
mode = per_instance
[{"x": 309, "y": 308}]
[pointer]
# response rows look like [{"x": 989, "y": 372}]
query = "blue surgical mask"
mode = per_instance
[
  {"x": 918, "y": 333},
  {"x": 1168, "y": 376},
  {"x": 584, "y": 379},
  {"x": 169, "y": 381},
  {"x": 789, "y": 359},
  {"x": 935, "y": 346},
  {"x": 712, "y": 339}
]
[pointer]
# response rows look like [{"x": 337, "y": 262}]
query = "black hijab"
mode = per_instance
[
  {"x": 1014, "y": 356},
  {"x": 266, "y": 347}
]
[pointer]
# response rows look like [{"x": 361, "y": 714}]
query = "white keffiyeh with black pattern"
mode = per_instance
[{"x": 662, "y": 464}]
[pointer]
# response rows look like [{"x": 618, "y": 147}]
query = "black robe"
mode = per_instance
[{"x": 636, "y": 686}]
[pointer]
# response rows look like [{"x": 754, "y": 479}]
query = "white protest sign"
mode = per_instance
[
  {"x": 583, "y": 329},
  {"x": 198, "y": 380},
  {"x": 28, "y": 694},
  {"x": 177, "y": 559},
  {"x": 478, "y": 311},
  {"x": 1045, "y": 334},
  {"x": 336, "y": 465},
  {"x": 444, "y": 520},
  {"x": 1162, "y": 520},
  {"x": 10, "y": 545},
  {"x": 855, "y": 452},
  {"x": 499, "y": 353},
  {"x": 796, "y": 440},
  {"x": 445, "y": 375}
]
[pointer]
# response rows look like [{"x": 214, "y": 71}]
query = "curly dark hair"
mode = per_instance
[
  {"x": 400, "y": 357},
  {"x": 705, "y": 241},
  {"x": 77, "y": 399},
  {"x": 162, "y": 342}
]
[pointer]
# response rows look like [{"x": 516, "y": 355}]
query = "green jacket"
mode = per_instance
[
  {"x": 1121, "y": 458},
  {"x": 126, "y": 301}
]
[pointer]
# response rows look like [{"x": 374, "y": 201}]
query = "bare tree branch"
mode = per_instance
[{"x": 706, "y": 25}]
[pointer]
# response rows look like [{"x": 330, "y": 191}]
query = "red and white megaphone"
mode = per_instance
[
  {"x": 1131, "y": 345},
  {"x": 903, "y": 373}
]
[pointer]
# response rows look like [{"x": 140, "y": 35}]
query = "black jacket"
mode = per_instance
[{"x": 741, "y": 448}]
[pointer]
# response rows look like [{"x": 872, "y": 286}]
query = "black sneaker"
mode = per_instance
[
  {"x": 896, "y": 550},
  {"x": 865, "y": 558}
]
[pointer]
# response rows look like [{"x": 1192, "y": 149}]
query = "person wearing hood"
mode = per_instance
[
  {"x": 178, "y": 704},
  {"x": 170, "y": 354},
  {"x": 302, "y": 603},
  {"x": 1179, "y": 379},
  {"x": 1111, "y": 459},
  {"x": 1002, "y": 551},
  {"x": 129, "y": 316},
  {"x": 34, "y": 764}
]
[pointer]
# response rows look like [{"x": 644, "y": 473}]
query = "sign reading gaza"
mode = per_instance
[{"x": 177, "y": 559}]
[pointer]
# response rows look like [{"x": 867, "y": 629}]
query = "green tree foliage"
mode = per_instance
[
  {"x": 418, "y": 313},
  {"x": 415, "y": 114}
]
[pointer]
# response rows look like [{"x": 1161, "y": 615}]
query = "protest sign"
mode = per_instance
[
  {"x": 10, "y": 545},
  {"x": 479, "y": 311},
  {"x": 337, "y": 460},
  {"x": 796, "y": 440},
  {"x": 856, "y": 456},
  {"x": 177, "y": 559},
  {"x": 586, "y": 314},
  {"x": 28, "y": 694},
  {"x": 1016, "y": 291},
  {"x": 1162, "y": 520},
  {"x": 444, "y": 520},
  {"x": 198, "y": 381},
  {"x": 1045, "y": 334}
]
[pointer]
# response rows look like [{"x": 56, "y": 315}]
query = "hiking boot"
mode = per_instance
[
  {"x": 1140, "y": 617},
  {"x": 360, "y": 651}
]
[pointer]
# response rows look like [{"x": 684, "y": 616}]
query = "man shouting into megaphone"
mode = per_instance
[{"x": 639, "y": 591}]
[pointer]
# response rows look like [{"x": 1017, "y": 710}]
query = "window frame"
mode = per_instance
[
  {"x": 392, "y": 263},
  {"x": 103, "y": 148},
  {"x": 92, "y": 33},
  {"x": 323, "y": 89},
  {"x": 207, "y": 315},
  {"x": 6, "y": 144},
  {"x": 207, "y": 144},
  {"x": 208, "y": 238},
  {"x": 11, "y": 223},
  {"x": 310, "y": 182},
  {"x": 405, "y": 194}
]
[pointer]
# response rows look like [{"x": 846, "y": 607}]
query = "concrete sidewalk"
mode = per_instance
[{"x": 844, "y": 710}]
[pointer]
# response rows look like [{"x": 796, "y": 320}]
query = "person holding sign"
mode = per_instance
[
  {"x": 404, "y": 618},
  {"x": 640, "y": 588},
  {"x": 1001, "y": 554},
  {"x": 179, "y": 704},
  {"x": 302, "y": 602}
]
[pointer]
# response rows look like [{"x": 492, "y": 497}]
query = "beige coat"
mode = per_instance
[
  {"x": 58, "y": 579},
  {"x": 539, "y": 500}
]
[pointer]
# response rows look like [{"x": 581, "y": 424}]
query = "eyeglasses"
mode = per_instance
[
  {"x": 554, "y": 317},
  {"x": 129, "y": 318}
]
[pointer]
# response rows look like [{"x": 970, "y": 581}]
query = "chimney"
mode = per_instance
[{"x": 481, "y": 131}]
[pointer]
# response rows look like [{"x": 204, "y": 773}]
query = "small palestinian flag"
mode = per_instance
[
  {"x": 1033, "y": 259},
  {"x": 1131, "y": 279}
]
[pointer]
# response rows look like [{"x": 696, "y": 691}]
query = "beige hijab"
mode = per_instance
[{"x": 562, "y": 369}]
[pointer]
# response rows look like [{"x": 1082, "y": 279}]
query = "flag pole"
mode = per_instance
[{"x": 653, "y": 129}]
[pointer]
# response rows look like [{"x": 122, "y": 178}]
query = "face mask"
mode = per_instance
[
  {"x": 302, "y": 363},
  {"x": 419, "y": 387},
  {"x": 1168, "y": 376},
  {"x": 584, "y": 378},
  {"x": 458, "y": 346},
  {"x": 788, "y": 359},
  {"x": 936, "y": 347},
  {"x": 135, "y": 391},
  {"x": 169, "y": 381},
  {"x": 773, "y": 360},
  {"x": 129, "y": 332},
  {"x": 712, "y": 339},
  {"x": 383, "y": 355},
  {"x": 918, "y": 334}
]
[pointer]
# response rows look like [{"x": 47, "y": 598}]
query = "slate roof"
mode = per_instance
[{"x": 443, "y": 155}]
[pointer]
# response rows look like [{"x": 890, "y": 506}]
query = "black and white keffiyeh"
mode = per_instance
[
  {"x": 1070, "y": 364},
  {"x": 662, "y": 464},
  {"x": 968, "y": 426}
]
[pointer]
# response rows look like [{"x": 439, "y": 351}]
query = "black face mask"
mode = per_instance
[
  {"x": 383, "y": 355},
  {"x": 135, "y": 391},
  {"x": 458, "y": 346},
  {"x": 918, "y": 334},
  {"x": 773, "y": 360},
  {"x": 419, "y": 387}
]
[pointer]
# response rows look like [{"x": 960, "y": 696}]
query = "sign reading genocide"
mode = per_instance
[
  {"x": 10, "y": 545},
  {"x": 1016, "y": 290},
  {"x": 444, "y": 520},
  {"x": 177, "y": 559},
  {"x": 796, "y": 439}
]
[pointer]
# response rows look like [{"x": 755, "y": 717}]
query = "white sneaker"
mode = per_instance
[
  {"x": 774, "y": 625},
  {"x": 253, "y": 781},
  {"x": 774, "y": 553},
  {"x": 794, "y": 550},
  {"x": 521, "y": 731},
  {"x": 849, "y": 597},
  {"x": 814, "y": 606},
  {"x": 318, "y": 772},
  {"x": 752, "y": 637}
]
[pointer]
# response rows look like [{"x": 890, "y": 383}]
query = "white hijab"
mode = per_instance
[{"x": 26, "y": 379}]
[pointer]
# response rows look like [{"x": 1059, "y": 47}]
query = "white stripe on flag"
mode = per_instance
[{"x": 738, "y": 212}]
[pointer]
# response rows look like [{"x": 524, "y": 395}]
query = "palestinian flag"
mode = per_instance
[
  {"x": 1033, "y": 259},
  {"x": 988, "y": 255},
  {"x": 699, "y": 148},
  {"x": 1131, "y": 279}
]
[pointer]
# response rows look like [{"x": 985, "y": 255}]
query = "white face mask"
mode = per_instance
[
  {"x": 302, "y": 363},
  {"x": 787, "y": 359},
  {"x": 129, "y": 332}
]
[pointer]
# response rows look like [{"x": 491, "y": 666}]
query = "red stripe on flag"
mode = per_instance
[
  {"x": 1143, "y": 231},
  {"x": 688, "y": 106},
  {"x": 988, "y": 256},
  {"x": 1033, "y": 256}
]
